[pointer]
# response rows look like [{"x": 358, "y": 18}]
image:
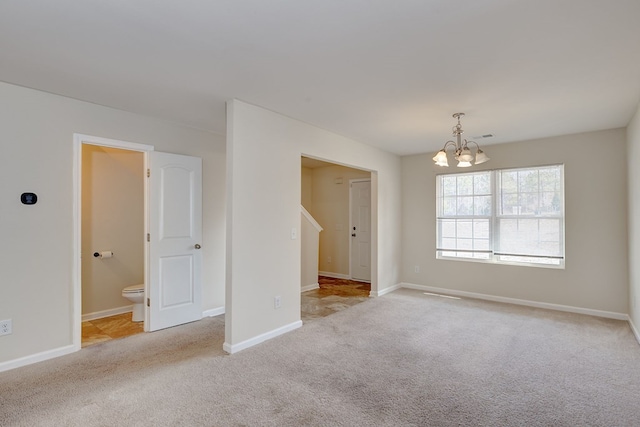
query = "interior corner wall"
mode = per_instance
[
  {"x": 36, "y": 242},
  {"x": 596, "y": 272},
  {"x": 633, "y": 153},
  {"x": 264, "y": 187}
]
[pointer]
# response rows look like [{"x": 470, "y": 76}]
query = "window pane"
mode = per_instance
[
  {"x": 466, "y": 244},
  {"x": 528, "y": 204},
  {"x": 481, "y": 244},
  {"x": 550, "y": 179},
  {"x": 550, "y": 230},
  {"x": 448, "y": 244},
  {"x": 528, "y": 181},
  {"x": 550, "y": 203},
  {"x": 449, "y": 206},
  {"x": 481, "y": 229},
  {"x": 482, "y": 205},
  {"x": 465, "y": 185},
  {"x": 529, "y": 237},
  {"x": 449, "y": 185},
  {"x": 465, "y": 206},
  {"x": 510, "y": 204},
  {"x": 448, "y": 228},
  {"x": 482, "y": 184},
  {"x": 465, "y": 229},
  {"x": 509, "y": 181}
]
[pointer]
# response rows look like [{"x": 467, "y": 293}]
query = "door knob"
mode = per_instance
[{"x": 197, "y": 246}]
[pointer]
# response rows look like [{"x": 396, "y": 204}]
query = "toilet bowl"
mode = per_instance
[{"x": 135, "y": 294}]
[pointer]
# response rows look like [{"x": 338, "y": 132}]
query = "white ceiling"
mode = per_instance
[{"x": 388, "y": 73}]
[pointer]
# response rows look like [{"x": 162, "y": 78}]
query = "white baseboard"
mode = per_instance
[
  {"x": 385, "y": 290},
  {"x": 213, "y": 312},
  {"x": 260, "y": 338},
  {"x": 550, "y": 306},
  {"x": 334, "y": 275},
  {"x": 309, "y": 287},
  {"x": 107, "y": 313},
  {"x": 635, "y": 330},
  {"x": 38, "y": 357}
]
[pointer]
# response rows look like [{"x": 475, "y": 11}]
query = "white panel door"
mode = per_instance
[
  {"x": 361, "y": 230},
  {"x": 175, "y": 227}
]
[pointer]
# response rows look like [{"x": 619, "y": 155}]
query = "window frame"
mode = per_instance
[{"x": 495, "y": 254}]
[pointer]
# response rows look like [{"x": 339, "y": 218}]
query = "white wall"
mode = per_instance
[
  {"x": 112, "y": 219},
  {"x": 596, "y": 275},
  {"x": 36, "y": 134},
  {"x": 633, "y": 154},
  {"x": 264, "y": 190}
]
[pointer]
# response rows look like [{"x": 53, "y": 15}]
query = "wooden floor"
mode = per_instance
[
  {"x": 332, "y": 296},
  {"x": 108, "y": 328}
]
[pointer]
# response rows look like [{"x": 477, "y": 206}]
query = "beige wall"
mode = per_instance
[
  {"x": 36, "y": 242},
  {"x": 112, "y": 219},
  {"x": 307, "y": 189},
  {"x": 596, "y": 274},
  {"x": 310, "y": 242},
  {"x": 330, "y": 207},
  {"x": 263, "y": 206},
  {"x": 633, "y": 154}
]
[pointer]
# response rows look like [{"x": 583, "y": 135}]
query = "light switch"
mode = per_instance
[{"x": 294, "y": 233}]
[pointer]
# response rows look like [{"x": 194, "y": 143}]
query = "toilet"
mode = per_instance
[{"x": 135, "y": 294}]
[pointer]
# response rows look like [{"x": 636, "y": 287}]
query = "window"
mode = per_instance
[{"x": 504, "y": 216}]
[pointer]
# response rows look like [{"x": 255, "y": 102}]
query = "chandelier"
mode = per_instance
[{"x": 462, "y": 152}]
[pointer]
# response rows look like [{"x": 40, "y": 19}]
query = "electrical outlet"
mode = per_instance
[
  {"x": 329, "y": 259},
  {"x": 5, "y": 327},
  {"x": 416, "y": 269},
  {"x": 277, "y": 301}
]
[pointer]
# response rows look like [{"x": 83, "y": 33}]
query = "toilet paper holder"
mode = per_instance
[{"x": 103, "y": 254}]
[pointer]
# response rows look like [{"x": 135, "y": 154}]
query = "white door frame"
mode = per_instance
[
  {"x": 78, "y": 141},
  {"x": 351, "y": 181}
]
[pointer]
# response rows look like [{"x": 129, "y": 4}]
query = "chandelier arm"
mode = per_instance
[
  {"x": 448, "y": 143},
  {"x": 477, "y": 145}
]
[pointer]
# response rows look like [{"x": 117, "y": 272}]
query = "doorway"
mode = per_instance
[
  {"x": 171, "y": 236},
  {"x": 112, "y": 245},
  {"x": 326, "y": 195}
]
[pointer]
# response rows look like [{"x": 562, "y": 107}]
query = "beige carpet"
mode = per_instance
[{"x": 405, "y": 359}]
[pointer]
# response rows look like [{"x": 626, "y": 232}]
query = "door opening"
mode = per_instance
[
  {"x": 171, "y": 213},
  {"x": 110, "y": 221},
  {"x": 325, "y": 196}
]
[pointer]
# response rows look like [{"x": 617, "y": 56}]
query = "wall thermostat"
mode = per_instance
[{"x": 29, "y": 198}]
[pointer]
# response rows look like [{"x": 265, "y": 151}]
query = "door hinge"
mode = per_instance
[
  {"x": 148, "y": 173},
  {"x": 148, "y": 237},
  {"x": 148, "y": 302}
]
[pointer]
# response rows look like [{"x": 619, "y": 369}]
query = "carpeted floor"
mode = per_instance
[{"x": 405, "y": 359}]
